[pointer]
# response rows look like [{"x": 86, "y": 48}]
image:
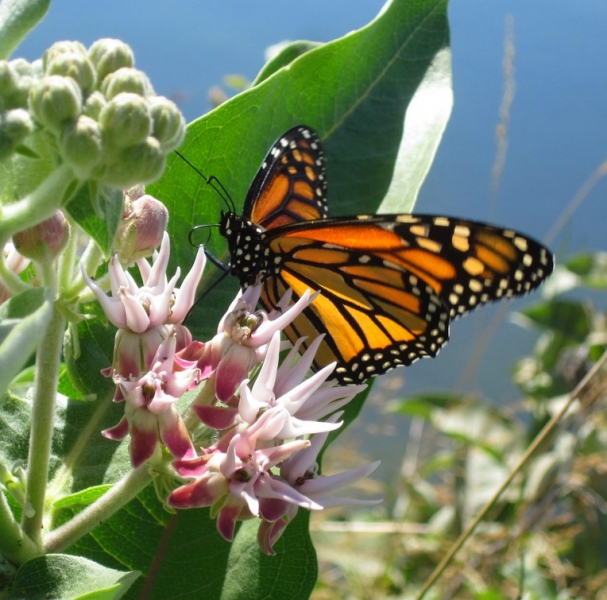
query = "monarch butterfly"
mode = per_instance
[{"x": 389, "y": 284}]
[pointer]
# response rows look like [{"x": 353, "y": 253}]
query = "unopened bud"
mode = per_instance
[
  {"x": 8, "y": 81},
  {"x": 168, "y": 123},
  {"x": 43, "y": 242},
  {"x": 59, "y": 48},
  {"x": 141, "y": 229},
  {"x": 15, "y": 126},
  {"x": 126, "y": 120},
  {"x": 55, "y": 101},
  {"x": 93, "y": 105},
  {"x": 126, "y": 80},
  {"x": 141, "y": 163},
  {"x": 82, "y": 145},
  {"x": 108, "y": 55},
  {"x": 74, "y": 65}
]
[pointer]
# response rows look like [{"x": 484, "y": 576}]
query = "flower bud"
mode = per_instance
[
  {"x": 59, "y": 48},
  {"x": 108, "y": 55},
  {"x": 44, "y": 242},
  {"x": 126, "y": 120},
  {"x": 15, "y": 126},
  {"x": 55, "y": 100},
  {"x": 74, "y": 65},
  {"x": 28, "y": 74},
  {"x": 93, "y": 105},
  {"x": 168, "y": 123},
  {"x": 8, "y": 80},
  {"x": 82, "y": 145},
  {"x": 126, "y": 80},
  {"x": 141, "y": 163},
  {"x": 140, "y": 232}
]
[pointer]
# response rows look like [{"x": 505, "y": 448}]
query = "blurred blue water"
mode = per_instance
[{"x": 557, "y": 131}]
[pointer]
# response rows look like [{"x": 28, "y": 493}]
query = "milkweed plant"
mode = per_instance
[{"x": 235, "y": 423}]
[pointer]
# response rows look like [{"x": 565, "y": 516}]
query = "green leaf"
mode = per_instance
[
  {"x": 69, "y": 578},
  {"x": 98, "y": 211},
  {"x": 182, "y": 555},
  {"x": 569, "y": 318},
  {"x": 93, "y": 352},
  {"x": 285, "y": 56},
  {"x": 23, "y": 321},
  {"x": 357, "y": 92},
  {"x": 17, "y": 19}
]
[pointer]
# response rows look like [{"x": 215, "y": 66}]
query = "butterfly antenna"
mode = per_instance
[{"x": 213, "y": 182}]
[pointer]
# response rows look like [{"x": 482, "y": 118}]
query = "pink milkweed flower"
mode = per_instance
[
  {"x": 300, "y": 472},
  {"x": 240, "y": 477},
  {"x": 150, "y": 413},
  {"x": 157, "y": 301},
  {"x": 302, "y": 401},
  {"x": 242, "y": 338}
]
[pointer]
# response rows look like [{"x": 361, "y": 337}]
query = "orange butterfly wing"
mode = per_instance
[{"x": 389, "y": 284}]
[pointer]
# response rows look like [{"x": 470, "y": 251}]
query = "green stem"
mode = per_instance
[
  {"x": 13, "y": 283},
  {"x": 37, "y": 206},
  {"x": 15, "y": 546},
  {"x": 537, "y": 442},
  {"x": 113, "y": 500},
  {"x": 68, "y": 260},
  {"x": 43, "y": 418}
]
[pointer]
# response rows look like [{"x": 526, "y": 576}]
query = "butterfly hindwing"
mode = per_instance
[
  {"x": 390, "y": 284},
  {"x": 291, "y": 184}
]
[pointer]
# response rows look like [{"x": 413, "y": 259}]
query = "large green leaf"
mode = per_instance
[
  {"x": 69, "y": 578},
  {"x": 360, "y": 93},
  {"x": 184, "y": 556}
]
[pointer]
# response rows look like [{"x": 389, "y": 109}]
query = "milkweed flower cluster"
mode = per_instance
[{"x": 271, "y": 420}]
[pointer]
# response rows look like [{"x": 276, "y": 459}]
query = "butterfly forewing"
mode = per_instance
[{"x": 291, "y": 184}]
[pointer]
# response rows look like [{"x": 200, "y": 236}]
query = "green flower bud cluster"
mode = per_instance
[
  {"x": 101, "y": 112},
  {"x": 16, "y": 80}
]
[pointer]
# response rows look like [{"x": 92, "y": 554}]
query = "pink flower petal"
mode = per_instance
[
  {"x": 118, "y": 432},
  {"x": 226, "y": 520},
  {"x": 203, "y": 492},
  {"x": 175, "y": 434},
  {"x": 216, "y": 417},
  {"x": 143, "y": 444}
]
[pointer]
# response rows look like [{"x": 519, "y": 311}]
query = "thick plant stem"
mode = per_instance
[
  {"x": 113, "y": 500},
  {"x": 14, "y": 545},
  {"x": 537, "y": 442},
  {"x": 43, "y": 416}
]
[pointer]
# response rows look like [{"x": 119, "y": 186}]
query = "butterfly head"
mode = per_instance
[{"x": 251, "y": 260}]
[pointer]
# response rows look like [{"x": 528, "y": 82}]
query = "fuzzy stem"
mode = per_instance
[
  {"x": 112, "y": 501},
  {"x": 537, "y": 442},
  {"x": 43, "y": 418},
  {"x": 15, "y": 546},
  {"x": 68, "y": 259}
]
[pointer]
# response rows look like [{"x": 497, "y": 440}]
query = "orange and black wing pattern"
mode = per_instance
[
  {"x": 291, "y": 184},
  {"x": 390, "y": 284}
]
